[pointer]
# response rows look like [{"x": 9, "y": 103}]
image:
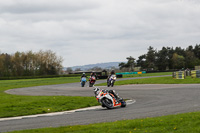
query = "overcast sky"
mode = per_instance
[{"x": 96, "y": 31}]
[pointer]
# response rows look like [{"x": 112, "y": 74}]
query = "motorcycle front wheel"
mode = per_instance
[
  {"x": 83, "y": 84},
  {"x": 123, "y": 104},
  {"x": 107, "y": 103},
  {"x": 112, "y": 84},
  {"x": 91, "y": 84},
  {"x": 108, "y": 84}
]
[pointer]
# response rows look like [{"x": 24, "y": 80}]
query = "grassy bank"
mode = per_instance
[
  {"x": 12, "y": 105},
  {"x": 181, "y": 123}
]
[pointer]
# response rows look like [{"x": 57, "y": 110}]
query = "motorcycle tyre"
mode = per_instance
[
  {"x": 123, "y": 104},
  {"x": 108, "y": 84},
  {"x": 91, "y": 84},
  {"x": 82, "y": 84},
  {"x": 112, "y": 84},
  {"x": 105, "y": 104}
]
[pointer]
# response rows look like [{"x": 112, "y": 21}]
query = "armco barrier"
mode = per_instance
[
  {"x": 119, "y": 75},
  {"x": 128, "y": 73},
  {"x": 139, "y": 73}
]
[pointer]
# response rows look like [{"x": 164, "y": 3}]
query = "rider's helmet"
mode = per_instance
[
  {"x": 113, "y": 72},
  {"x": 92, "y": 73},
  {"x": 96, "y": 91}
]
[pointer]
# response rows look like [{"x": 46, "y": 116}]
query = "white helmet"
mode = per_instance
[{"x": 96, "y": 91}]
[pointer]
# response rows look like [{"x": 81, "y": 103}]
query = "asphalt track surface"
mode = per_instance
[{"x": 150, "y": 100}]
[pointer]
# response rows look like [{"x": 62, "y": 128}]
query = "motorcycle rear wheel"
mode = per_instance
[
  {"x": 112, "y": 84},
  {"x": 83, "y": 84},
  {"x": 108, "y": 84},
  {"x": 91, "y": 84}
]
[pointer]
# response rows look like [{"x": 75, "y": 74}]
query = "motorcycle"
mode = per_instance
[
  {"x": 83, "y": 81},
  {"x": 92, "y": 81},
  {"x": 111, "y": 80},
  {"x": 107, "y": 99}
]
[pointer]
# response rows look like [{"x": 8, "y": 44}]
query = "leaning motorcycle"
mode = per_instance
[
  {"x": 92, "y": 81},
  {"x": 107, "y": 99},
  {"x": 111, "y": 80},
  {"x": 83, "y": 81}
]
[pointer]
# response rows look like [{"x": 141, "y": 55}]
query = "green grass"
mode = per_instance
[
  {"x": 181, "y": 123},
  {"x": 10, "y": 84},
  {"x": 29, "y": 105},
  {"x": 13, "y": 105},
  {"x": 157, "y": 80}
]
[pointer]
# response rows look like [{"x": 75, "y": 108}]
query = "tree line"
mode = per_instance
[
  {"x": 30, "y": 63},
  {"x": 48, "y": 63},
  {"x": 168, "y": 58}
]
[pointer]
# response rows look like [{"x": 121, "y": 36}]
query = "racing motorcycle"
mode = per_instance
[
  {"x": 83, "y": 81},
  {"x": 92, "y": 81},
  {"x": 111, "y": 80},
  {"x": 107, "y": 99}
]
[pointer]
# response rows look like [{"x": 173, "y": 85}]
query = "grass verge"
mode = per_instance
[
  {"x": 181, "y": 123},
  {"x": 13, "y": 105}
]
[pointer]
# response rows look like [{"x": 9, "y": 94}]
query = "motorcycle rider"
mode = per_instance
[
  {"x": 93, "y": 74},
  {"x": 92, "y": 79},
  {"x": 111, "y": 74},
  {"x": 83, "y": 75},
  {"x": 116, "y": 96},
  {"x": 83, "y": 80}
]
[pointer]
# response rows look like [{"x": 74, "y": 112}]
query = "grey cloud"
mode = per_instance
[{"x": 116, "y": 28}]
